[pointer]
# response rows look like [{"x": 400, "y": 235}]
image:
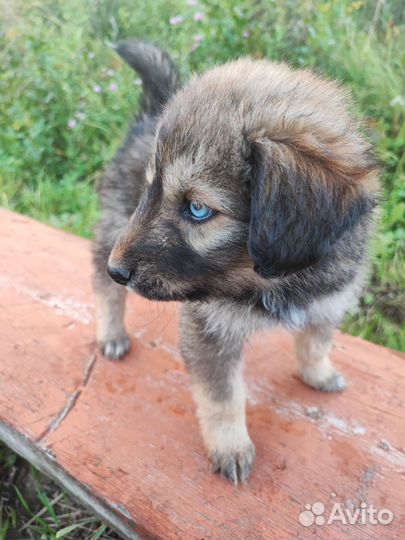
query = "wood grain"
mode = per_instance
[{"x": 123, "y": 437}]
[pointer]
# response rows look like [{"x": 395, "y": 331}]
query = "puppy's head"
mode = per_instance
[{"x": 257, "y": 173}]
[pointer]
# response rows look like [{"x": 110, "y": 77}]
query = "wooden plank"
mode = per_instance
[{"x": 123, "y": 437}]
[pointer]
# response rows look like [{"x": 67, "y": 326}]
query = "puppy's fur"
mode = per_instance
[{"x": 293, "y": 185}]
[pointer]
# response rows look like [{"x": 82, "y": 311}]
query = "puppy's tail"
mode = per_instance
[{"x": 159, "y": 75}]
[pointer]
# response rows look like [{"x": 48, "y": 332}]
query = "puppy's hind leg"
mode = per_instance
[
  {"x": 313, "y": 345},
  {"x": 213, "y": 358}
]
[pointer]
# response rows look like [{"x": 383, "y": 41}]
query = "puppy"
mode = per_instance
[{"x": 248, "y": 195}]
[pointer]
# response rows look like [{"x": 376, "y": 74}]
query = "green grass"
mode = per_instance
[
  {"x": 54, "y": 54},
  {"x": 34, "y": 508}
]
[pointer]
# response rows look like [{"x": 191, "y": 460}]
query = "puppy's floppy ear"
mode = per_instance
[{"x": 299, "y": 208}]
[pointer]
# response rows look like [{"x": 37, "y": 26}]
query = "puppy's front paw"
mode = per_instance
[
  {"x": 234, "y": 464},
  {"x": 115, "y": 349},
  {"x": 332, "y": 381}
]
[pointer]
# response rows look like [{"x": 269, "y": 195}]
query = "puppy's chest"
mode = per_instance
[
  {"x": 274, "y": 309},
  {"x": 297, "y": 300}
]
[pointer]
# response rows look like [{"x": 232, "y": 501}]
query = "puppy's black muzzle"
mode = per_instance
[{"x": 119, "y": 274}]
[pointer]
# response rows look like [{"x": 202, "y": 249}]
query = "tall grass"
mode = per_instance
[{"x": 66, "y": 100}]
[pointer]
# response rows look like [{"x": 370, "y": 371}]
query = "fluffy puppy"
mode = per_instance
[{"x": 250, "y": 196}]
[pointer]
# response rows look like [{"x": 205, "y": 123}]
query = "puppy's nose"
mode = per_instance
[{"x": 119, "y": 274}]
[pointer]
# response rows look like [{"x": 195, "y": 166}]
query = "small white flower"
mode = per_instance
[
  {"x": 177, "y": 19},
  {"x": 113, "y": 87},
  {"x": 397, "y": 100},
  {"x": 72, "y": 123},
  {"x": 96, "y": 88},
  {"x": 199, "y": 16}
]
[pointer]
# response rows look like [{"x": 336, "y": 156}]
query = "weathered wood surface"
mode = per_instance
[{"x": 123, "y": 437}]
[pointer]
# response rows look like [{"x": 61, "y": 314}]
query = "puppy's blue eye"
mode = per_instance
[{"x": 199, "y": 212}]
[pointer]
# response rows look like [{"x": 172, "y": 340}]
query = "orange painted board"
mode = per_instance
[{"x": 123, "y": 437}]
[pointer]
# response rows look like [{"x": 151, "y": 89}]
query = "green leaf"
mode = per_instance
[
  {"x": 47, "y": 503},
  {"x": 66, "y": 530},
  {"x": 22, "y": 500},
  {"x": 96, "y": 535}
]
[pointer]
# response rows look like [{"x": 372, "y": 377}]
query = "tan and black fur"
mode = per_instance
[{"x": 274, "y": 152}]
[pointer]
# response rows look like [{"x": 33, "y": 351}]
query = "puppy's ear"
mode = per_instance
[{"x": 299, "y": 208}]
